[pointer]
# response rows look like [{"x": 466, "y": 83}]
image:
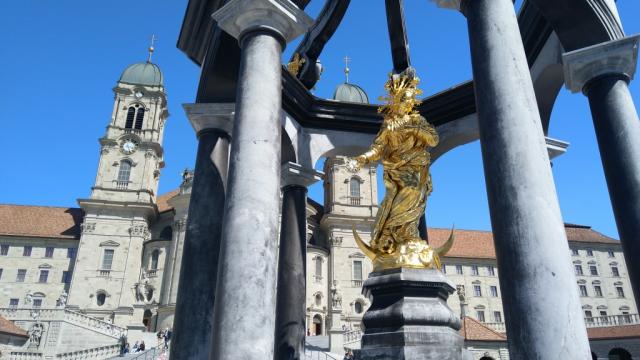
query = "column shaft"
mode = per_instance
[
  {"x": 618, "y": 131},
  {"x": 541, "y": 304},
  {"x": 291, "y": 295},
  {"x": 193, "y": 321},
  {"x": 245, "y": 305}
]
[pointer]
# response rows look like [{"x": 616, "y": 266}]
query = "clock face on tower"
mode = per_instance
[
  {"x": 138, "y": 94},
  {"x": 129, "y": 146}
]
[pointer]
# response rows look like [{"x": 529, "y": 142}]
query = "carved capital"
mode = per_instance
[
  {"x": 335, "y": 240},
  {"x": 88, "y": 227},
  {"x": 140, "y": 230}
]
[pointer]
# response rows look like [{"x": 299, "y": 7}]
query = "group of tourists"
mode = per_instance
[{"x": 164, "y": 337}]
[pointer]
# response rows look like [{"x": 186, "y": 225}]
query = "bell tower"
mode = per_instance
[{"x": 108, "y": 276}]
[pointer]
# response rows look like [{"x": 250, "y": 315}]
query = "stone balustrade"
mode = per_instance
[
  {"x": 25, "y": 355},
  {"x": 101, "y": 352},
  {"x": 26, "y": 314}
]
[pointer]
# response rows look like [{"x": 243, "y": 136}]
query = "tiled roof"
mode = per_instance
[
  {"x": 614, "y": 332},
  {"x": 467, "y": 243},
  {"x": 473, "y": 330},
  {"x": 163, "y": 200},
  {"x": 40, "y": 221},
  {"x": 7, "y": 327},
  {"x": 479, "y": 244}
]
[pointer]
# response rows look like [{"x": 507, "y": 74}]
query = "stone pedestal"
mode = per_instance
[
  {"x": 409, "y": 317},
  {"x": 336, "y": 333}
]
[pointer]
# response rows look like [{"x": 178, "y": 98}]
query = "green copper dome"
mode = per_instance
[
  {"x": 350, "y": 93},
  {"x": 144, "y": 73}
]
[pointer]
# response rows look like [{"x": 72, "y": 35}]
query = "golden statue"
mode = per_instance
[{"x": 402, "y": 145}]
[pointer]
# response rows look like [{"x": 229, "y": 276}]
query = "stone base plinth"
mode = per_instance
[{"x": 409, "y": 317}]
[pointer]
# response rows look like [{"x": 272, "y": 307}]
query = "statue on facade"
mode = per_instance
[
  {"x": 35, "y": 334},
  {"x": 336, "y": 297},
  {"x": 461, "y": 293},
  {"x": 402, "y": 145},
  {"x": 28, "y": 299},
  {"x": 62, "y": 300}
]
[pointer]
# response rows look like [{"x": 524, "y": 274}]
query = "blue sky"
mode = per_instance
[{"x": 61, "y": 59}]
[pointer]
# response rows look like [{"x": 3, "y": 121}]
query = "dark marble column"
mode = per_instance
[
  {"x": 244, "y": 320},
  {"x": 193, "y": 321},
  {"x": 542, "y": 309},
  {"x": 291, "y": 292},
  {"x": 602, "y": 72}
]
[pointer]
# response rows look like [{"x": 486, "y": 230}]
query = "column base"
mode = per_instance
[{"x": 409, "y": 317}]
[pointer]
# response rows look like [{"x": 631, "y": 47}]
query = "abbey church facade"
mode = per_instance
[{"x": 112, "y": 265}]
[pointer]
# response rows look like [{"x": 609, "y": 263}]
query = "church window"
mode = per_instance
[
  {"x": 130, "y": 116},
  {"x": 13, "y": 303},
  {"x": 27, "y": 251},
  {"x": 583, "y": 290},
  {"x": 497, "y": 316},
  {"x": 318, "y": 262},
  {"x": 480, "y": 315},
  {"x": 620, "y": 291},
  {"x": 354, "y": 191},
  {"x": 614, "y": 271},
  {"x": 598, "y": 290},
  {"x": 66, "y": 277},
  {"x": 22, "y": 274},
  {"x": 494, "y": 291},
  {"x": 101, "y": 298},
  {"x": 48, "y": 252},
  {"x": 357, "y": 306},
  {"x": 123, "y": 174},
  {"x": 357, "y": 270},
  {"x": 154, "y": 259},
  {"x": 578, "y": 269},
  {"x": 477, "y": 291},
  {"x": 71, "y": 253},
  {"x": 139, "y": 118},
  {"x": 474, "y": 270},
  {"x": 593, "y": 270},
  {"x": 491, "y": 271},
  {"x": 4, "y": 250},
  {"x": 44, "y": 276},
  {"x": 107, "y": 259}
]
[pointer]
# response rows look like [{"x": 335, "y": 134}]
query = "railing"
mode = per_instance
[
  {"x": 590, "y": 322},
  {"x": 104, "y": 273},
  {"x": 351, "y": 337},
  {"x": 152, "y": 354},
  {"x": 354, "y": 200},
  {"x": 101, "y": 352},
  {"x": 25, "y": 355},
  {"x": 26, "y": 314},
  {"x": 612, "y": 320},
  {"x": 122, "y": 185},
  {"x": 356, "y": 283},
  {"x": 317, "y": 355},
  {"x": 497, "y": 326},
  {"x": 152, "y": 273},
  {"x": 133, "y": 131}
]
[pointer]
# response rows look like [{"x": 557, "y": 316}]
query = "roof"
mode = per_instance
[
  {"x": 163, "y": 200},
  {"x": 144, "y": 73},
  {"x": 350, "y": 93},
  {"x": 614, "y": 332},
  {"x": 478, "y": 244},
  {"x": 40, "y": 221},
  {"x": 473, "y": 330},
  {"x": 7, "y": 327}
]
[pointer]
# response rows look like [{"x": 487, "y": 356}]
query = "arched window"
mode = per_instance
[
  {"x": 139, "y": 118},
  {"x": 357, "y": 307},
  {"x": 354, "y": 191},
  {"x": 318, "y": 299},
  {"x": 130, "y": 116},
  {"x": 101, "y": 298},
  {"x": 166, "y": 233},
  {"x": 123, "y": 174},
  {"x": 619, "y": 354},
  {"x": 154, "y": 259},
  {"x": 318, "y": 261}
]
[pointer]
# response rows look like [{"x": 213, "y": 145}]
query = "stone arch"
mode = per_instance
[
  {"x": 317, "y": 324},
  {"x": 287, "y": 150},
  {"x": 619, "y": 353}
]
